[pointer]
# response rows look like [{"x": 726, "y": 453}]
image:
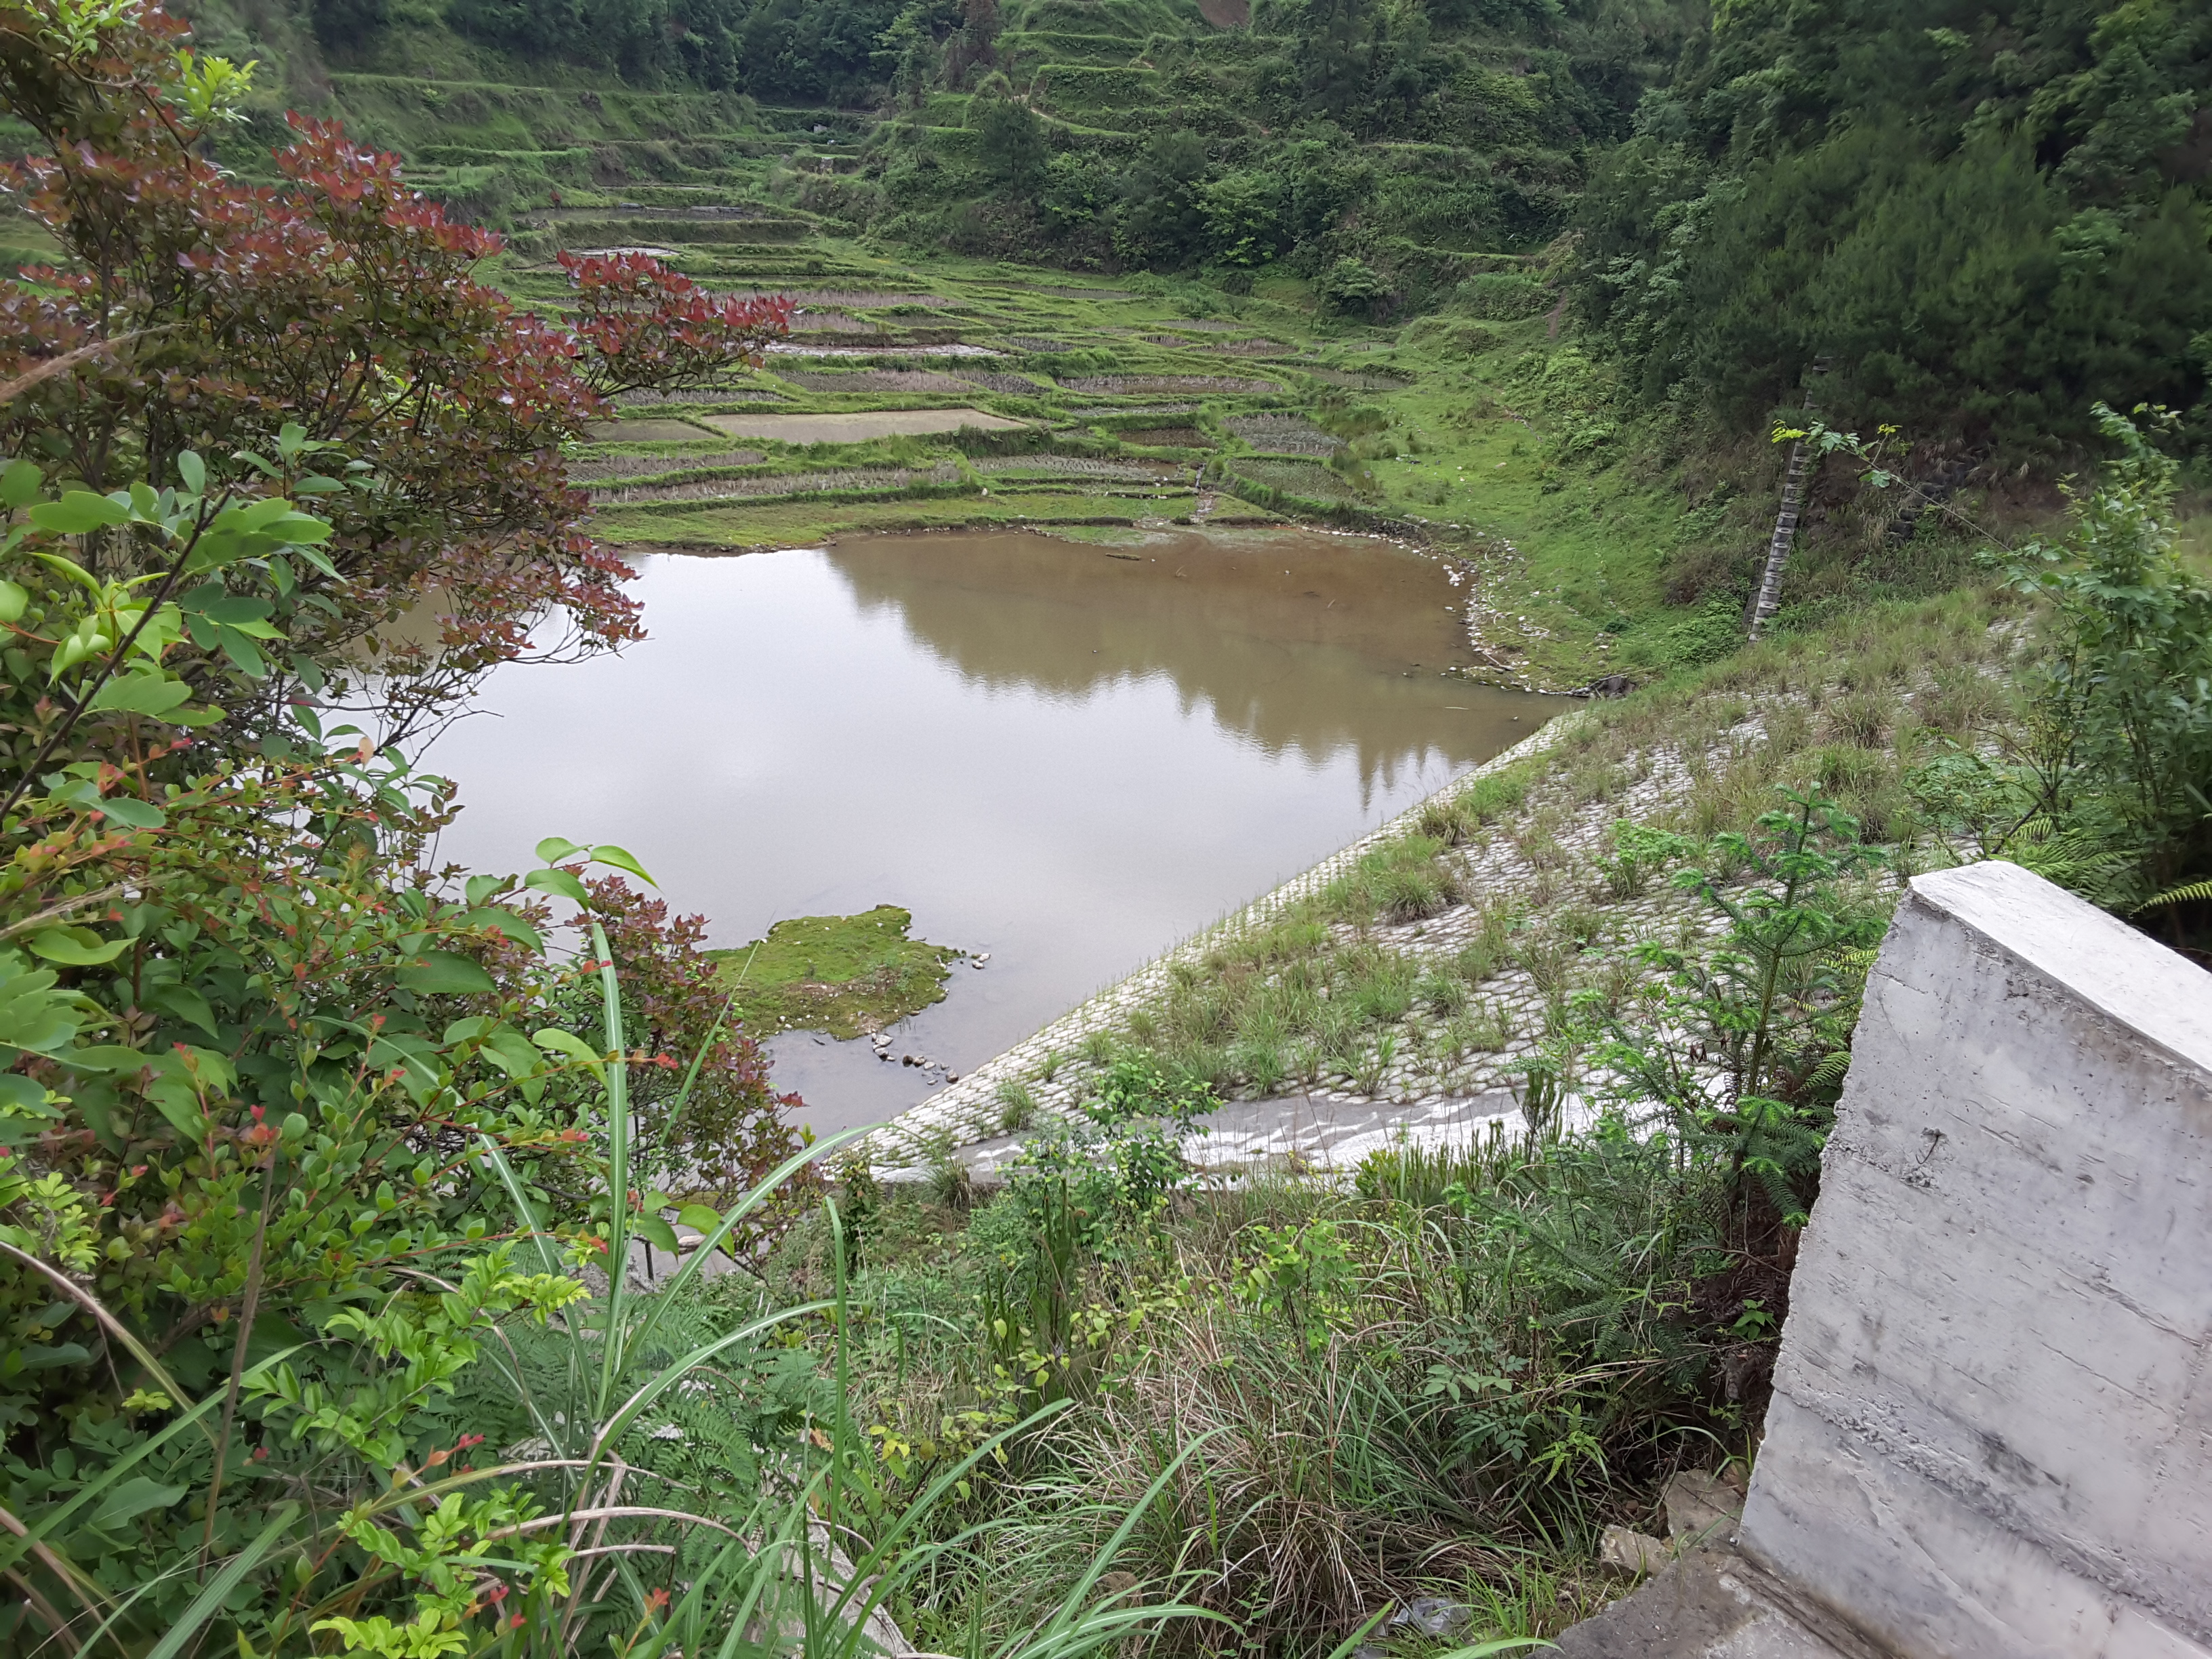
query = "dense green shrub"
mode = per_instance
[
  {"x": 1501, "y": 296},
  {"x": 289, "y": 1123},
  {"x": 2106, "y": 792}
]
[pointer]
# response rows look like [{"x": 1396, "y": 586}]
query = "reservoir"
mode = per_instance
[{"x": 1068, "y": 755}]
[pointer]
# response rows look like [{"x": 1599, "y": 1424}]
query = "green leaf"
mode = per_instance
[
  {"x": 185, "y": 1629},
  {"x": 150, "y": 692},
  {"x": 76, "y": 947},
  {"x": 104, "y": 1057},
  {"x": 700, "y": 1216},
  {"x": 24, "y": 1094},
  {"x": 48, "y": 1356},
  {"x": 506, "y": 1049},
  {"x": 417, "y": 1059},
  {"x": 13, "y": 602},
  {"x": 193, "y": 470},
  {"x": 296, "y": 529},
  {"x": 242, "y": 653},
  {"x": 315, "y": 557},
  {"x": 20, "y": 483},
  {"x": 553, "y": 850},
  {"x": 133, "y": 1499},
  {"x": 559, "y": 883},
  {"x": 192, "y": 1071},
  {"x": 506, "y": 923},
  {"x": 615, "y": 857},
  {"x": 554, "y": 1040},
  {"x": 34, "y": 1015},
  {"x": 70, "y": 567},
  {"x": 185, "y": 1004},
  {"x": 217, "y": 603},
  {"x": 77, "y": 512},
  {"x": 654, "y": 1230},
  {"x": 132, "y": 813},
  {"x": 263, "y": 512},
  {"x": 405, "y": 1048},
  {"x": 441, "y": 973}
]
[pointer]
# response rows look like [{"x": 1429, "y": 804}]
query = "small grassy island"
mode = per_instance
[{"x": 847, "y": 975}]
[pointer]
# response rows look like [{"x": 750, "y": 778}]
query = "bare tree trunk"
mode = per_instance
[{"x": 1785, "y": 529}]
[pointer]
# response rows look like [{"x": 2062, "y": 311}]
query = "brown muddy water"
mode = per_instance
[{"x": 1069, "y": 756}]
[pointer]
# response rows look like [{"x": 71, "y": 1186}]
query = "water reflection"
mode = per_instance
[
  {"x": 1067, "y": 755},
  {"x": 1323, "y": 644}
]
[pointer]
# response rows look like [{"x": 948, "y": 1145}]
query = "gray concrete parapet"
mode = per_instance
[{"x": 1991, "y": 1429}]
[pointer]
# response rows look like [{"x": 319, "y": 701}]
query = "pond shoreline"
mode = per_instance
[{"x": 970, "y": 1111}]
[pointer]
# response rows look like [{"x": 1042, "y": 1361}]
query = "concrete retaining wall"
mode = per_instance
[{"x": 1991, "y": 1433}]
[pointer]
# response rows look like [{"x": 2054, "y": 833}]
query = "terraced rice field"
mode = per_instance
[
  {"x": 857, "y": 427},
  {"x": 922, "y": 391},
  {"x": 940, "y": 393}
]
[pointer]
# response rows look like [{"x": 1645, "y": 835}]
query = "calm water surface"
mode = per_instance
[{"x": 1068, "y": 755}]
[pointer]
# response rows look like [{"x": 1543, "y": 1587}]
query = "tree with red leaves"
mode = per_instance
[
  {"x": 728, "y": 1134},
  {"x": 197, "y": 313},
  {"x": 201, "y": 326}
]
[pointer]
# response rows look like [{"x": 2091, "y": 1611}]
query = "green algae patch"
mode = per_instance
[{"x": 847, "y": 976}]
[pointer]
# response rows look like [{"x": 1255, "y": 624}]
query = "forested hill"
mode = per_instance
[
  {"x": 1159, "y": 133},
  {"x": 1977, "y": 222},
  {"x": 1373, "y": 144},
  {"x": 1978, "y": 219}
]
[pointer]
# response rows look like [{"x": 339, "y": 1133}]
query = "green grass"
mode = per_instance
[
  {"x": 1329, "y": 1401},
  {"x": 843, "y": 975}
]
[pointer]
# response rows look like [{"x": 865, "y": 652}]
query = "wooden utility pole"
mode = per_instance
[{"x": 1785, "y": 524}]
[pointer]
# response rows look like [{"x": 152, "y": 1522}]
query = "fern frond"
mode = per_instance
[
  {"x": 1829, "y": 1071},
  {"x": 2195, "y": 892}
]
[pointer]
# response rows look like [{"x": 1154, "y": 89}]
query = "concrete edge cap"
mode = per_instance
[{"x": 2090, "y": 955}]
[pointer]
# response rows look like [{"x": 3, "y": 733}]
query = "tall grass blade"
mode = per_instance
[
  {"x": 695, "y": 1260},
  {"x": 611, "y": 1353}
]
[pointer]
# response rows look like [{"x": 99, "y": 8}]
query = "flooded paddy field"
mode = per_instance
[{"x": 855, "y": 426}]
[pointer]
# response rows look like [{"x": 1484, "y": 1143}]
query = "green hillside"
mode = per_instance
[
  {"x": 1980, "y": 228},
  {"x": 1416, "y": 143},
  {"x": 1118, "y": 133}
]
